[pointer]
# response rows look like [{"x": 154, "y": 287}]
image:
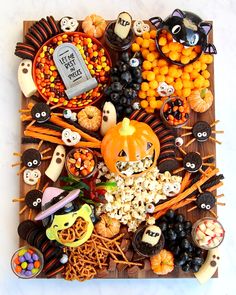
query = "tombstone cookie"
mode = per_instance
[
  {"x": 69, "y": 24},
  {"x": 123, "y": 25},
  {"x": 25, "y": 78},
  {"x": 73, "y": 70}
]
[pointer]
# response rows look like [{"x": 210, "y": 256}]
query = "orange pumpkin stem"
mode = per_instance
[{"x": 126, "y": 128}]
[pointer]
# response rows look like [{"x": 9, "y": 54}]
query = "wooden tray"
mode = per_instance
[{"x": 206, "y": 148}]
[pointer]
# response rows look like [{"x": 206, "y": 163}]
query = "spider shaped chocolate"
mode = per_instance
[
  {"x": 206, "y": 201},
  {"x": 193, "y": 162},
  {"x": 32, "y": 199},
  {"x": 40, "y": 112},
  {"x": 31, "y": 158},
  {"x": 201, "y": 132}
]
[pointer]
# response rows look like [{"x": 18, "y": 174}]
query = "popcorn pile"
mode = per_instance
[{"x": 134, "y": 196}]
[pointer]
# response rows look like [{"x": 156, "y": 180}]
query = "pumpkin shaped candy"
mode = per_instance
[
  {"x": 130, "y": 148},
  {"x": 162, "y": 263}
]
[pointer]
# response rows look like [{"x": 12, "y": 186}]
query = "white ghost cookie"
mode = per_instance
[
  {"x": 57, "y": 163},
  {"x": 25, "y": 78},
  {"x": 68, "y": 24},
  {"x": 69, "y": 137},
  {"x": 31, "y": 176}
]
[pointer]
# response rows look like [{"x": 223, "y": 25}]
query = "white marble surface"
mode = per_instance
[{"x": 12, "y": 14}]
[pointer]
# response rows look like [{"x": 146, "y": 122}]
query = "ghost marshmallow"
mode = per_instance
[
  {"x": 57, "y": 163},
  {"x": 31, "y": 176},
  {"x": 69, "y": 137},
  {"x": 69, "y": 24},
  {"x": 171, "y": 189},
  {"x": 151, "y": 235},
  {"x": 25, "y": 78}
]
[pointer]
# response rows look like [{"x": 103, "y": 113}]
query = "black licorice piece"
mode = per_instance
[
  {"x": 29, "y": 140},
  {"x": 50, "y": 126},
  {"x": 91, "y": 133}
]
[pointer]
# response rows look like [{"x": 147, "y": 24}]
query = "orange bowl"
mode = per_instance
[{"x": 78, "y": 102}]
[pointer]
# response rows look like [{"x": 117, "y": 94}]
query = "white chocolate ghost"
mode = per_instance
[
  {"x": 25, "y": 78},
  {"x": 69, "y": 24},
  {"x": 165, "y": 89}
]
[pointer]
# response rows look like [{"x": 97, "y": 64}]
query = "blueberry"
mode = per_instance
[
  {"x": 116, "y": 86},
  {"x": 115, "y": 79},
  {"x": 185, "y": 244},
  {"x": 136, "y": 86},
  {"x": 179, "y": 218},
  {"x": 115, "y": 97},
  {"x": 178, "y": 227},
  {"x": 114, "y": 71},
  {"x": 163, "y": 226},
  {"x": 125, "y": 56},
  {"x": 195, "y": 267},
  {"x": 137, "y": 72},
  {"x": 171, "y": 235},
  {"x": 182, "y": 234},
  {"x": 170, "y": 214},
  {"x": 128, "y": 110},
  {"x": 171, "y": 104},
  {"x": 199, "y": 252},
  {"x": 126, "y": 77},
  {"x": 178, "y": 102},
  {"x": 187, "y": 225},
  {"x": 186, "y": 267},
  {"x": 123, "y": 67},
  {"x": 138, "y": 80},
  {"x": 108, "y": 91},
  {"x": 128, "y": 92},
  {"x": 175, "y": 250},
  {"x": 197, "y": 260},
  {"x": 182, "y": 259},
  {"x": 123, "y": 100}
]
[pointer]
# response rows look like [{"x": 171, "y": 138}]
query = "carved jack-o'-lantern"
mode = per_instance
[{"x": 130, "y": 148}]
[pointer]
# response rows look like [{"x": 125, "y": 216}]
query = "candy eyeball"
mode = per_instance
[
  {"x": 136, "y": 105},
  {"x": 134, "y": 62},
  {"x": 64, "y": 259},
  {"x": 68, "y": 24},
  {"x": 171, "y": 189},
  {"x": 170, "y": 90},
  {"x": 150, "y": 208},
  {"x": 162, "y": 89},
  {"x": 179, "y": 141},
  {"x": 67, "y": 114},
  {"x": 69, "y": 137},
  {"x": 31, "y": 177},
  {"x": 140, "y": 27}
]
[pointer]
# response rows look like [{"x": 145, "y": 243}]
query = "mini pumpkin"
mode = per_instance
[
  {"x": 162, "y": 263},
  {"x": 107, "y": 227},
  {"x": 129, "y": 143},
  {"x": 201, "y": 100},
  {"x": 94, "y": 25}
]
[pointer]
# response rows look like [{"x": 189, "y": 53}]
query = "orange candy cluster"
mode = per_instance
[
  {"x": 156, "y": 69},
  {"x": 49, "y": 82},
  {"x": 175, "y": 50}
]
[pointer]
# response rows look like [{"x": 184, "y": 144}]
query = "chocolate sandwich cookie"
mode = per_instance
[
  {"x": 25, "y": 54},
  {"x": 150, "y": 119},
  {"x": 42, "y": 30},
  {"x": 52, "y": 264},
  {"x": 156, "y": 123},
  {"x": 24, "y": 227},
  {"x": 164, "y": 133},
  {"x": 39, "y": 240},
  {"x": 141, "y": 117},
  {"x": 167, "y": 164},
  {"x": 158, "y": 129},
  {"x": 26, "y": 140},
  {"x": 46, "y": 26},
  {"x": 45, "y": 246},
  {"x": 134, "y": 115},
  {"x": 33, "y": 199},
  {"x": 167, "y": 146},
  {"x": 31, "y": 158},
  {"x": 168, "y": 138},
  {"x": 28, "y": 47},
  {"x": 53, "y": 25},
  {"x": 201, "y": 131},
  {"x": 55, "y": 271},
  {"x": 33, "y": 40},
  {"x": 169, "y": 153},
  {"x": 36, "y": 34},
  {"x": 32, "y": 235},
  {"x": 192, "y": 162}
]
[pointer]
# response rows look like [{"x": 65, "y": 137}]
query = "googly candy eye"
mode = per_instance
[
  {"x": 37, "y": 115},
  {"x": 179, "y": 141},
  {"x": 208, "y": 207},
  {"x": 188, "y": 164},
  {"x": 38, "y": 200},
  {"x": 199, "y": 134},
  {"x": 134, "y": 62},
  {"x": 203, "y": 205},
  {"x": 146, "y": 28},
  {"x": 73, "y": 22},
  {"x": 192, "y": 165},
  {"x": 204, "y": 133},
  {"x": 64, "y": 21},
  {"x": 35, "y": 162},
  {"x": 67, "y": 113},
  {"x": 35, "y": 203},
  {"x": 43, "y": 114},
  {"x": 29, "y": 164},
  {"x": 170, "y": 90},
  {"x": 176, "y": 29}
]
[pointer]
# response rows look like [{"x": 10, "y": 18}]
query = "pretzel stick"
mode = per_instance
[
  {"x": 121, "y": 252},
  {"x": 128, "y": 262},
  {"x": 56, "y": 140},
  {"x": 108, "y": 250},
  {"x": 96, "y": 251},
  {"x": 59, "y": 122},
  {"x": 44, "y": 130},
  {"x": 187, "y": 192}
]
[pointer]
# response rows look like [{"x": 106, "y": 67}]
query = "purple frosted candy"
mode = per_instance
[
  {"x": 22, "y": 259},
  {"x": 30, "y": 266},
  {"x": 28, "y": 273},
  {"x": 22, "y": 272},
  {"x": 35, "y": 257},
  {"x": 27, "y": 256}
]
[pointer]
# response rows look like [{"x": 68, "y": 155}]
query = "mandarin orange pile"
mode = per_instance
[{"x": 156, "y": 69}]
